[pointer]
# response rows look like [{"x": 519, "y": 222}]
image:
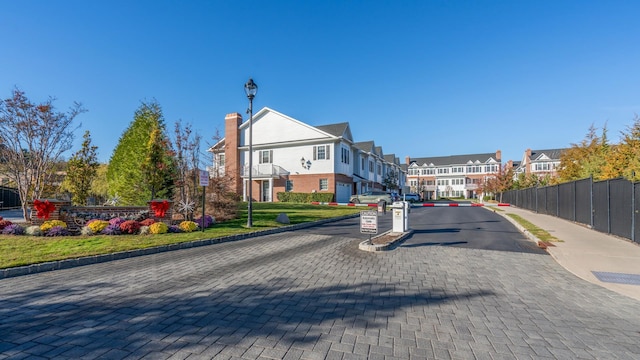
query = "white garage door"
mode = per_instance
[{"x": 343, "y": 192}]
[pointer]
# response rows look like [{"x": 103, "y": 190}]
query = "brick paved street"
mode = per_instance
[{"x": 308, "y": 295}]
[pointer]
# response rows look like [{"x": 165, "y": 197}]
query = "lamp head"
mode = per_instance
[{"x": 251, "y": 89}]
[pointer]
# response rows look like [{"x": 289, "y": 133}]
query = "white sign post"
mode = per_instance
[{"x": 204, "y": 182}]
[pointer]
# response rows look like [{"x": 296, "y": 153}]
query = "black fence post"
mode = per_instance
[
  {"x": 608, "y": 207},
  {"x": 591, "y": 197}
]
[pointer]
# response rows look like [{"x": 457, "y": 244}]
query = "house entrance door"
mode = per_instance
[{"x": 265, "y": 192}]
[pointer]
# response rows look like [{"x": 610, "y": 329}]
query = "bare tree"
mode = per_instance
[
  {"x": 33, "y": 138},
  {"x": 187, "y": 147}
]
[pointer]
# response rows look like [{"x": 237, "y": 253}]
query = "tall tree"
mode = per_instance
[
  {"x": 33, "y": 136},
  {"x": 99, "y": 185},
  {"x": 125, "y": 175},
  {"x": 81, "y": 170},
  {"x": 585, "y": 159},
  {"x": 158, "y": 168},
  {"x": 624, "y": 158}
]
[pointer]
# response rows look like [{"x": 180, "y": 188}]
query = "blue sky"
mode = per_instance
[{"x": 420, "y": 78}]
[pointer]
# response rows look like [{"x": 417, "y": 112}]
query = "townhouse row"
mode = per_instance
[{"x": 289, "y": 155}]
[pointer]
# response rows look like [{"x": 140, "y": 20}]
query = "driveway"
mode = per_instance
[{"x": 311, "y": 294}]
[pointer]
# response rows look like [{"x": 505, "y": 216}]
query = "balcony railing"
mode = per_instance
[{"x": 264, "y": 171}]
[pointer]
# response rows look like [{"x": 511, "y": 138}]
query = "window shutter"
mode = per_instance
[
  {"x": 314, "y": 153},
  {"x": 271, "y": 156},
  {"x": 327, "y": 152}
]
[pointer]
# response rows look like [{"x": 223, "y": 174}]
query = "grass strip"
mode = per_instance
[
  {"x": 541, "y": 234},
  {"x": 26, "y": 250}
]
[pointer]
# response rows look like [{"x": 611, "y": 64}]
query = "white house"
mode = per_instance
[
  {"x": 541, "y": 163},
  {"x": 451, "y": 176},
  {"x": 289, "y": 155}
]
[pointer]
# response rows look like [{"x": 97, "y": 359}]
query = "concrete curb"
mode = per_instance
[
  {"x": 95, "y": 259},
  {"x": 524, "y": 231},
  {"x": 366, "y": 246}
]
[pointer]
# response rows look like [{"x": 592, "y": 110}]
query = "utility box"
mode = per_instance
[{"x": 400, "y": 211}]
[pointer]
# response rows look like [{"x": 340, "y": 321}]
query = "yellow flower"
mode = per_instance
[
  {"x": 47, "y": 225},
  {"x": 98, "y": 225},
  {"x": 188, "y": 226},
  {"x": 158, "y": 228}
]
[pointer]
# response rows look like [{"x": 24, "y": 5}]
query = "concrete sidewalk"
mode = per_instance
[{"x": 602, "y": 259}]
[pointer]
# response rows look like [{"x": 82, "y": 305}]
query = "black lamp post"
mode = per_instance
[{"x": 251, "y": 89}]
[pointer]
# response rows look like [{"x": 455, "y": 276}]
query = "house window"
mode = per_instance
[
  {"x": 345, "y": 156},
  {"x": 266, "y": 156},
  {"x": 321, "y": 152},
  {"x": 220, "y": 160},
  {"x": 288, "y": 186},
  {"x": 324, "y": 184},
  {"x": 379, "y": 169},
  {"x": 370, "y": 165}
]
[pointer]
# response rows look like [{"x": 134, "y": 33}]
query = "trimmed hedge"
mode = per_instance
[{"x": 294, "y": 197}]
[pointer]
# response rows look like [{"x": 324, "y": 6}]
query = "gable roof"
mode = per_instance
[
  {"x": 456, "y": 159},
  {"x": 553, "y": 154},
  {"x": 366, "y": 146},
  {"x": 340, "y": 129}
]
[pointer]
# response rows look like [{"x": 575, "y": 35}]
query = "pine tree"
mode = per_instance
[
  {"x": 81, "y": 170},
  {"x": 125, "y": 174}
]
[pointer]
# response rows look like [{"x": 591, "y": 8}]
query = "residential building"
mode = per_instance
[
  {"x": 289, "y": 155},
  {"x": 542, "y": 163},
  {"x": 451, "y": 176}
]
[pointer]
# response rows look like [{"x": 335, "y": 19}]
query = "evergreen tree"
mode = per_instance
[
  {"x": 586, "y": 159},
  {"x": 81, "y": 170},
  {"x": 158, "y": 168},
  {"x": 125, "y": 174}
]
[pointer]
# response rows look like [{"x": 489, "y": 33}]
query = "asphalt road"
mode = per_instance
[
  {"x": 311, "y": 294},
  {"x": 466, "y": 227}
]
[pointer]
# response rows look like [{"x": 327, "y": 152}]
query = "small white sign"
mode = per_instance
[
  {"x": 368, "y": 222},
  {"x": 204, "y": 178}
]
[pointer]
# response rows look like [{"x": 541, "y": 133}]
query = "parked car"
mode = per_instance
[
  {"x": 371, "y": 197},
  {"x": 411, "y": 197}
]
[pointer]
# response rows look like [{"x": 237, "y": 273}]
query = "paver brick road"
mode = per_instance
[{"x": 310, "y": 295}]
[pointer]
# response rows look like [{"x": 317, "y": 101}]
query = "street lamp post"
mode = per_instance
[{"x": 251, "y": 89}]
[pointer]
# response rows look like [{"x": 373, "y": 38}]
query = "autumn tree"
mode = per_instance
[
  {"x": 81, "y": 170},
  {"x": 34, "y": 137},
  {"x": 125, "y": 176},
  {"x": 624, "y": 158},
  {"x": 585, "y": 159},
  {"x": 500, "y": 182}
]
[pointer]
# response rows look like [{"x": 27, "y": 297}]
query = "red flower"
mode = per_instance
[
  {"x": 160, "y": 208},
  {"x": 43, "y": 209}
]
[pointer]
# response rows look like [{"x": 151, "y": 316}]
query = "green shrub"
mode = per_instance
[{"x": 293, "y": 197}]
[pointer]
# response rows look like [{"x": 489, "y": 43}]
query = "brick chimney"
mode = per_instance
[
  {"x": 407, "y": 160},
  {"x": 527, "y": 159},
  {"x": 498, "y": 155},
  {"x": 232, "y": 165}
]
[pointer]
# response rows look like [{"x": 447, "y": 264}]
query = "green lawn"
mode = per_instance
[{"x": 25, "y": 250}]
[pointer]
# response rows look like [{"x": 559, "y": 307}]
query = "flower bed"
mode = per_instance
[{"x": 59, "y": 218}]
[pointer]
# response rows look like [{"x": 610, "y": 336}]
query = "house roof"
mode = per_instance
[
  {"x": 455, "y": 159},
  {"x": 367, "y": 146},
  {"x": 550, "y": 153},
  {"x": 339, "y": 129}
]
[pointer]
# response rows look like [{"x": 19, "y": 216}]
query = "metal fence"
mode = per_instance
[
  {"x": 610, "y": 206},
  {"x": 9, "y": 197}
]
